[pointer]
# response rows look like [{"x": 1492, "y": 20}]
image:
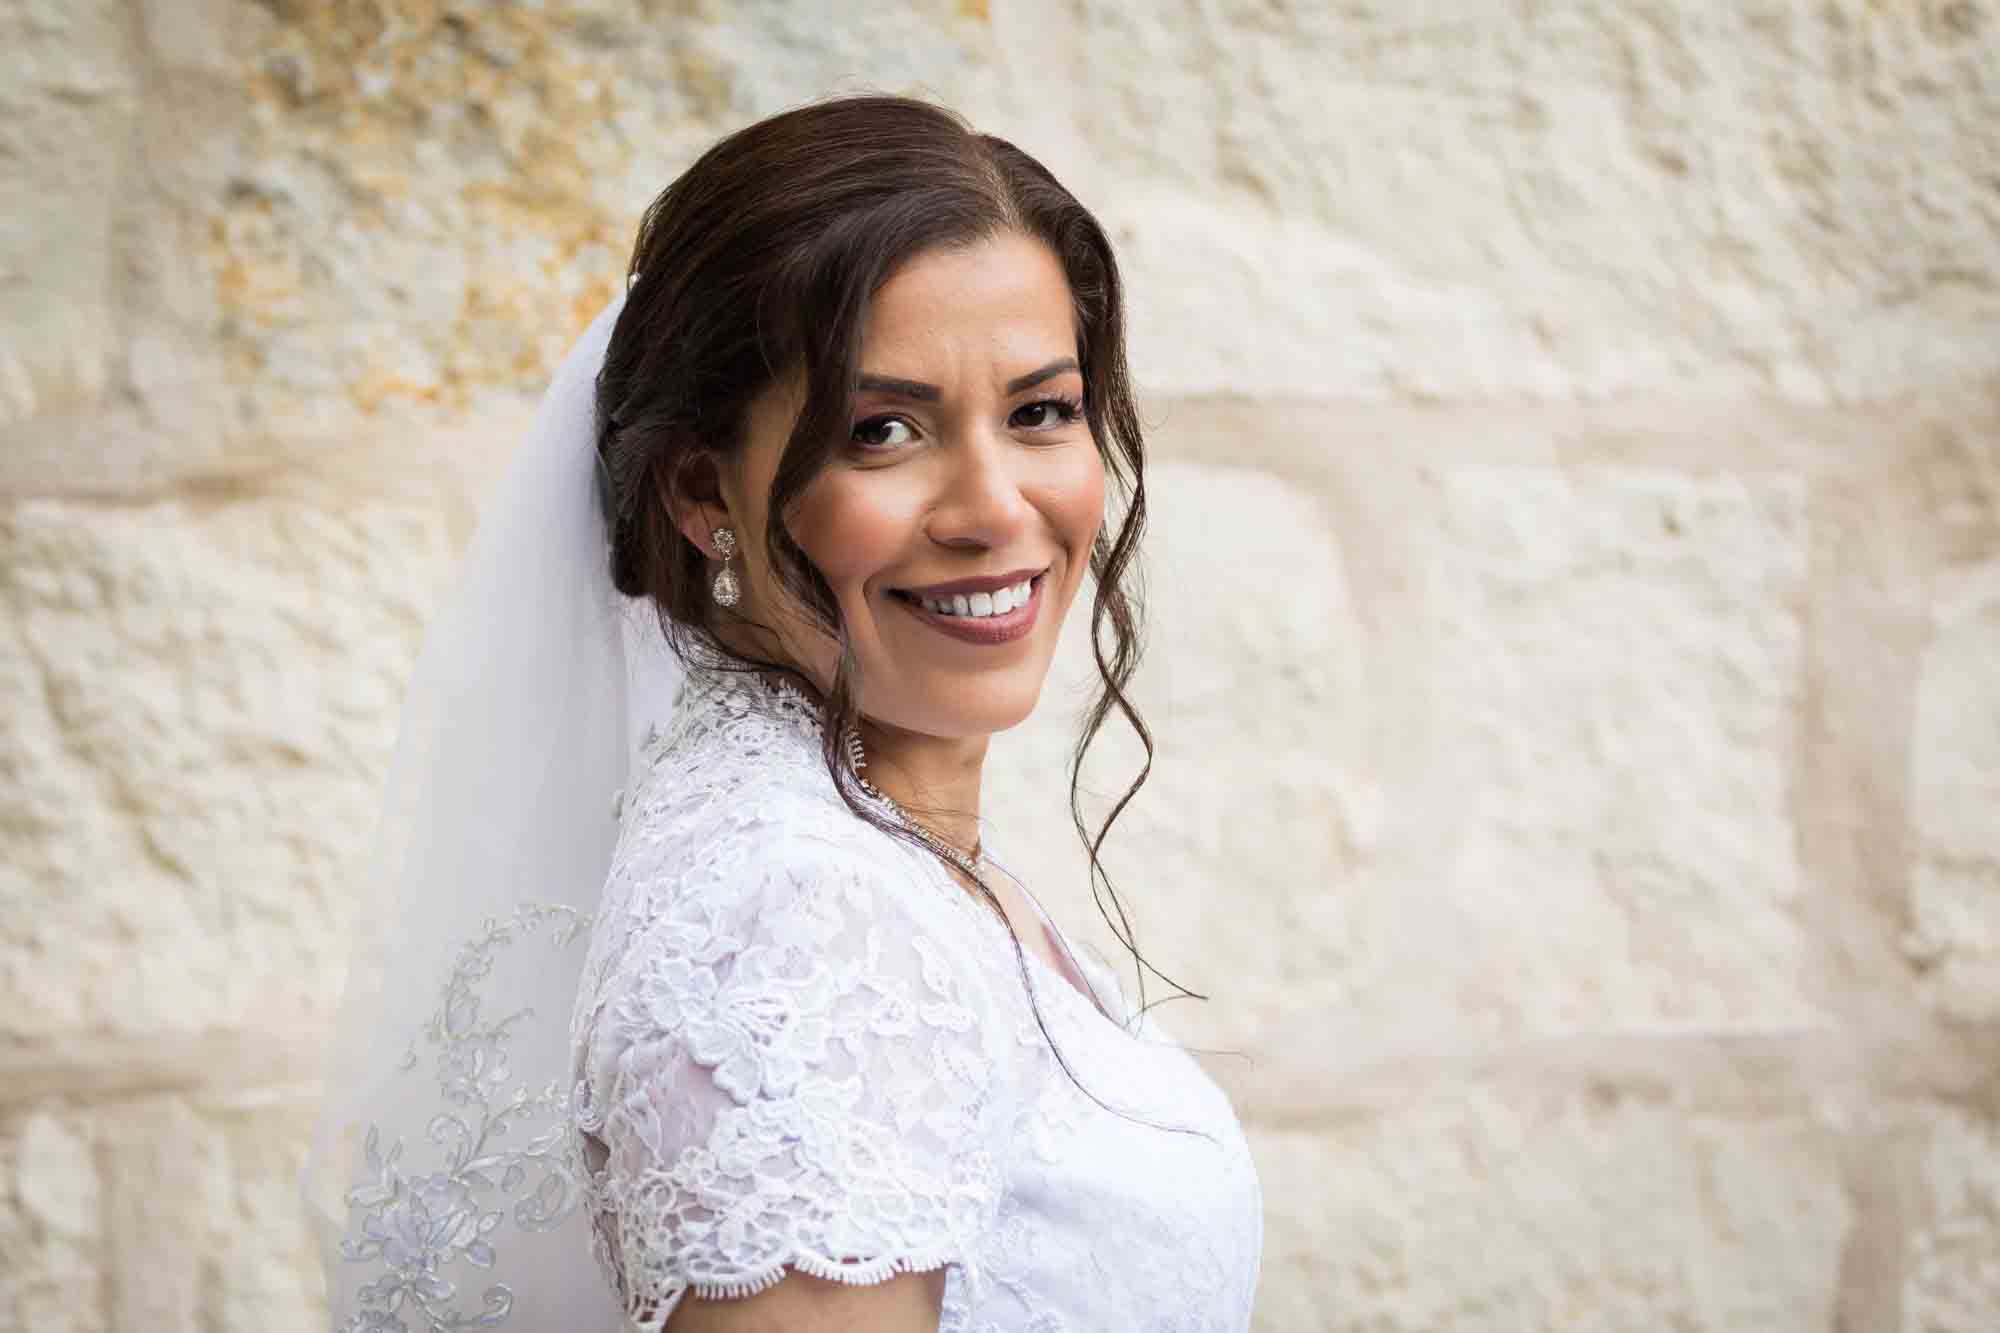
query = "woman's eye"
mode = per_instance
[
  {"x": 1046, "y": 413},
  {"x": 883, "y": 432}
]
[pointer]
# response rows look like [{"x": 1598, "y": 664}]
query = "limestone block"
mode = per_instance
[
  {"x": 1382, "y": 200},
  {"x": 165, "y": 1170},
  {"x": 260, "y": 1263},
  {"x": 69, "y": 106},
  {"x": 1954, "y": 801},
  {"x": 200, "y": 696},
  {"x": 1952, "y": 1280},
  {"x": 1595, "y": 1215},
  {"x": 121, "y": 122},
  {"x": 375, "y": 220},
  {"x": 193, "y": 1224},
  {"x": 1614, "y": 670},
  {"x": 55, "y": 1180},
  {"x": 52, "y": 1260}
]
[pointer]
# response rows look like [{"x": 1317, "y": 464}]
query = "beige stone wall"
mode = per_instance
[{"x": 1575, "y": 571}]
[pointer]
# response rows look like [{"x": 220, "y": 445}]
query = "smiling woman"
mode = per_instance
[
  {"x": 970, "y": 471},
  {"x": 829, "y": 1064}
]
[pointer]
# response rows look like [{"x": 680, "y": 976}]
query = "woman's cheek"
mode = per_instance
[
  {"x": 852, "y": 527},
  {"x": 1082, "y": 508}
]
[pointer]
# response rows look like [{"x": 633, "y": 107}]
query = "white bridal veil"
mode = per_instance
[{"x": 443, "y": 1178}]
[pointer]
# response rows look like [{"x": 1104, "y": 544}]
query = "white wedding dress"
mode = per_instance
[{"x": 800, "y": 1043}]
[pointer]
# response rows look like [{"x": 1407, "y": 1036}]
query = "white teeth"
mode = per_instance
[{"x": 981, "y": 604}]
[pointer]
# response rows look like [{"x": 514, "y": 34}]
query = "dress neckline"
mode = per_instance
[{"x": 1088, "y": 993}]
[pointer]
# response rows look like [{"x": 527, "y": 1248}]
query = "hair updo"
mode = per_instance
[{"x": 762, "y": 259}]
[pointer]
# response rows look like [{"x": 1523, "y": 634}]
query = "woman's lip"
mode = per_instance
[
  {"x": 1006, "y": 628},
  {"x": 991, "y": 583}
]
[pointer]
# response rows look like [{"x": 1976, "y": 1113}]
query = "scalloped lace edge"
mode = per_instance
[{"x": 853, "y": 1274}]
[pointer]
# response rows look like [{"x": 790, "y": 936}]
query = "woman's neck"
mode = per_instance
[{"x": 935, "y": 779}]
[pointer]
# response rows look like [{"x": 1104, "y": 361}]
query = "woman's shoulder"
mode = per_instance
[
  {"x": 735, "y": 814},
  {"x": 757, "y": 883},
  {"x": 740, "y": 783},
  {"x": 738, "y": 758},
  {"x": 734, "y": 836}
]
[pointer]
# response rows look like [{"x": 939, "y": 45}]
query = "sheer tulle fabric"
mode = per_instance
[{"x": 443, "y": 1179}]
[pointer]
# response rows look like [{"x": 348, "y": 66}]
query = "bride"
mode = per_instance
[{"x": 701, "y": 996}]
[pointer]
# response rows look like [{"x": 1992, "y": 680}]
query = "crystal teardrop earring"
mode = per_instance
[{"x": 725, "y": 589}]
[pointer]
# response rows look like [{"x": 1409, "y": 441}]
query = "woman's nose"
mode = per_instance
[{"x": 980, "y": 501}]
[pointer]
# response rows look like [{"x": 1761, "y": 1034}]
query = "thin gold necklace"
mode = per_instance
[{"x": 966, "y": 861}]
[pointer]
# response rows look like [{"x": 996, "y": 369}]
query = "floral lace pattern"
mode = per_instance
[
  {"x": 418, "y": 1228},
  {"x": 801, "y": 1045}
]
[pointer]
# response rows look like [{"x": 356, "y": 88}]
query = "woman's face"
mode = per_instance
[{"x": 954, "y": 523}]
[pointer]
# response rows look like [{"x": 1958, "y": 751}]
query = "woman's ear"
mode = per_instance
[{"x": 693, "y": 498}]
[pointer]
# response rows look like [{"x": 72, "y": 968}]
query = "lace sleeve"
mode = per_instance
[{"x": 793, "y": 1068}]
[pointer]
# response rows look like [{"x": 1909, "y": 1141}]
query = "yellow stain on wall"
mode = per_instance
[{"x": 357, "y": 85}]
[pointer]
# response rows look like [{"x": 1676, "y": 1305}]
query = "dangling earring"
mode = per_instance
[{"x": 725, "y": 589}]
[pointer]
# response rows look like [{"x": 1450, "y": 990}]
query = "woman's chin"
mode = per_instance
[{"x": 963, "y": 703}]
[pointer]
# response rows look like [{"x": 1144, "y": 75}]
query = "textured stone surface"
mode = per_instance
[
  {"x": 200, "y": 697},
  {"x": 1616, "y": 675},
  {"x": 1483, "y": 1213},
  {"x": 1954, "y": 796},
  {"x": 266, "y": 1268},
  {"x": 156, "y": 1213},
  {"x": 52, "y": 1260},
  {"x": 1583, "y": 198},
  {"x": 71, "y": 102},
  {"x": 1572, "y": 573},
  {"x": 1953, "y": 1281},
  {"x": 166, "y": 1177}
]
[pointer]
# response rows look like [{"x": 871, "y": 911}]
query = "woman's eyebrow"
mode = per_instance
[
  {"x": 1048, "y": 372},
  {"x": 917, "y": 389},
  {"x": 929, "y": 393}
]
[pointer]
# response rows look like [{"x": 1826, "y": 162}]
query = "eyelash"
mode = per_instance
[{"x": 1067, "y": 411}]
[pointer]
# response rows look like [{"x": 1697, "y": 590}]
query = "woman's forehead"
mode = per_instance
[{"x": 1001, "y": 305}]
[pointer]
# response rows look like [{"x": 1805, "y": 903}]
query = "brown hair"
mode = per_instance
[{"x": 762, "y": 258}]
